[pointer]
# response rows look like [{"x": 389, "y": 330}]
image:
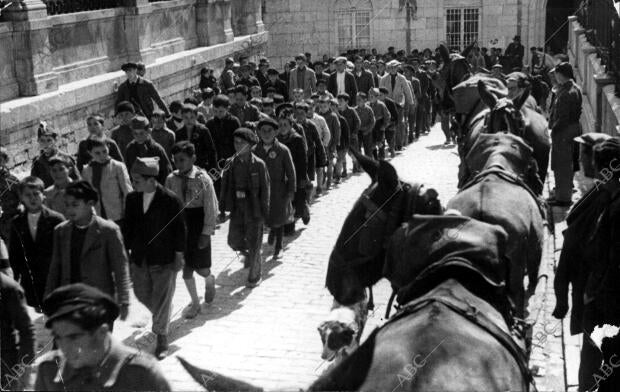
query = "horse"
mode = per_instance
[
  {"x": 497, "y": 193},
  {"x": 453, "y": 331},
  {"x": 472, "y": 105}
]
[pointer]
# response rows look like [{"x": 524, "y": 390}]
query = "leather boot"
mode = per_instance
[{"x": 161, "y": 350}]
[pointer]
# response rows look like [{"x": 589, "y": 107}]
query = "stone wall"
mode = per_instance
[
  {"x": 601, "y": 108},
  {"x": 310, "y": 26},
  {"x": 65, "y": 67}
]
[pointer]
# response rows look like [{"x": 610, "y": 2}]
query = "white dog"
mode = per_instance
[{"x": 342, "y": 330}]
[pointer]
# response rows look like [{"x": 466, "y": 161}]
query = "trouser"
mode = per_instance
[
  {"x": 154, "y": 286},
  {"x": 368, "y": 144},
  {"x": 355, "y": 145},
  {"x": 245, "y": 234},
  {"x": 300, "y": 203},
  {"x": 562, "y": 147},
  {"x": 341, "y": 162},
  {"x": 445, "y": 124},
  {"x": 421, "y": 122},
  {"x": 412, "y": 116},
  {"x": 390, "y": 138},
  {"x": 401, "y": 128}
]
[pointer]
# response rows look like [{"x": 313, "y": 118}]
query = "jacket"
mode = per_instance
[
  {"x": 9, "y": 201},
  {"x": 227, "y": 79},
  {"x": 566, "y": 108},
  {"x": 401, "y": 94},
  {"x": 122, "y": 135},
  {"x": 83, "y": 155},
  {"x": 103, "y": 264},
  {"x": 199, "y": 194},
  {"x": 165, "y": 138},
  {"x": 31, "y": 257},
  {"x": 124, "y": 369},
  {"x": 353, "y": 121},
  {"x": 222, "y": 134},
  {"x": 114, "y": 188},
  {"x": 246, "y": 113},
  {"x": 364, "y": 81},
  {"x": 381, "y": 113},
  {"x": 154, "y": 237},
  {"x": 350, "y": 86},
  {"x": 258, "y": 192},
  {"x": 280, "y": 87},
  {"x": 41, "y": 167},
  {"x": 367, "y": 118},
  {"x": 282, "y": 182},
  {"x": 206, "y": 154},
  {"x": 316, "y": 150},
  {"x": 309, "y": 82},
  {"x": 146, "y": 94},
  {"x": 148, "y": 149},
  {"x": 333, "y": 124},
  {"x": 321, "y": 126},
  {"x": 299, "y": 152},
  {"x": 345, "y": 133}
]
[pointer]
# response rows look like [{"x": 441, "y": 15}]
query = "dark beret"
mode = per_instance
[
  {"x": 128, "y": 66},
  {"x": 282, "y": 107},
  {"x": 268, "y": 121},
  {"x": 272, "y": 71},
  {"x": 148, "y": 167},
  {"x": 344, "y": 96},
  {"x": 67, "y": 299},
  {"x": 140, "y": 122},
  {"x": 302, "y": 105},
  {"x": 246, "y": 134},
  {"x": 125, "y": 106},
  {"x": 59, "y": 159},
  {"x": 82, "y": 190}
]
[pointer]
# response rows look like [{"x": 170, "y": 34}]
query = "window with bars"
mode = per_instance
[
  {"x": 462, "y": 27},
  {"x": 353, "y": 27}
]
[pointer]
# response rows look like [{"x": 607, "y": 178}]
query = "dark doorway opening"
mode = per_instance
[{"x": 556, "y": 29}]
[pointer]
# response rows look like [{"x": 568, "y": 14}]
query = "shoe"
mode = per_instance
[
  {"x": 344, "y": 174},
  {"x": 276, "y": 252},
  {"x": 318, "y": 191},
  {"x": 221, "y": 217},
  {"x": 161, "y": 350},
  {"x": 306, "y": 218},
  {"x": 191, "y": 311},
  {"x": 209, "y": 289},
  {"x": 271, "y": 237},
  {"x": 251, "y": 285}
]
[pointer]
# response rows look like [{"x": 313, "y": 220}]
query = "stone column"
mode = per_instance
[
  {"x": 213, "y": 22},
  {"x": 32, "y": 49},
  {"x": 133, "y": 21},
  {"x": 247, "y": 17}
]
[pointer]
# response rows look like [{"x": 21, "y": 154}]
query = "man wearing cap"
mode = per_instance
[
  {"x": 140, "y": 92},
  {"x": 245, "y": 193},
  {"x": 246, "y": 78},
  {"x": 565, "y": 126},
  {"x": 155, "y": 235},
  {"x": 122, "y": 133},
  {"x": 88, "y": 357},
  {"x": 143, "y": 145},
  {"x": 47, "y": 139},
  {"x": 342, "y": 81},
  {"x": 227, "y": 79},
  {"x": 400, "y": 92},
  {"x": 275, "y": 82},
  {"x": 302, "y": 77},
  {"x": 514, "y": 53}
]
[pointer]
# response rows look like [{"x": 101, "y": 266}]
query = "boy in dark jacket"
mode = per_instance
[
  {"x": 143, "y": 146},
  {"x": 32, "y": 239},
  {"x": 155, "y": 235},
  {"x": 353, "y": 122},
  {"x": 41, "y": 165},
  {"x": 245, "y": 193}
]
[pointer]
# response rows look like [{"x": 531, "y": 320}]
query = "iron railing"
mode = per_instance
[
  {"x": 602, "y": 24},
  {"x": 57, "y": 7}
]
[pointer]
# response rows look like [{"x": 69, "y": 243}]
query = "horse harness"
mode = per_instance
[{"x": 471, "y": 313}]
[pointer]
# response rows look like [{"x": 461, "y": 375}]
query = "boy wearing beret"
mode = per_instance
[
  {"x": 41, "y": 165},
  {"x": 122, "y": 134},
  {"x": 143, "y": 146},
  {"x": 89, "y": 249},
  {"x": 161, "y": 134},
  {"x": 245, "y": 193},
  {"x": 32, "y": 237},
  {"x": 89, "y": 358},
  {"x": 155, "y": 235}
]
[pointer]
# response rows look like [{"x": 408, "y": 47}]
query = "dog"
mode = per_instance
[{"x": 341, "y": 332}]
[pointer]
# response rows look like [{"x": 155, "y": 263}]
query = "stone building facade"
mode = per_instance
[
  {"x": 331, "y": 26},
  {"x": 61, "y": 64}
]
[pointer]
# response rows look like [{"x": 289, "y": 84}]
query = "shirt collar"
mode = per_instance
[{"x": 193, "y": 173}]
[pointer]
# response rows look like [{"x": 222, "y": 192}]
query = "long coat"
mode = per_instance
[
  {"x": 309, "y": 82},
  {"x": 146, "y": 94},
  {"x": 282, "y": 185}
]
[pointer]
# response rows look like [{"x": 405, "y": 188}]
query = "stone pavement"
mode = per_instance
[{"x": 268, "y": 336}]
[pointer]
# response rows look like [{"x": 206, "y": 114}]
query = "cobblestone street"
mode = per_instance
[{"x": 268, "y": 336}]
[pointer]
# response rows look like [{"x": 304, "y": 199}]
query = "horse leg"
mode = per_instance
[{"x": 371, "y": 300}]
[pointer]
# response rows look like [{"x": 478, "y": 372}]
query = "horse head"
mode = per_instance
[
  {"x": 505, "y": 115},
  {"x": 357, "y": 259}
]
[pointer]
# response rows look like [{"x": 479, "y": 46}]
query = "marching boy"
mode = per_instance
[
  {"x": 195, "y": 189},
  {"x": 245, "y": 193}
]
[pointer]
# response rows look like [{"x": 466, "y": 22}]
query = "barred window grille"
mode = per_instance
[
  {"x": 353, "y": 26},
  {"x": 462, "y": 27}
]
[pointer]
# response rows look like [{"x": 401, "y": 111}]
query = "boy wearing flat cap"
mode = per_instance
[
  {"x": 143, "y": 146},
  {"x": 88, "y": 357},
  {"x": 47, "y": 138},
  {"x": 122, "y": 133},
  {"x": 89, "y": 249},
  {"x": 245, "y": 193},
  {"x": 274, "y": 81},
  {"x": 140, "y": 92},
  {"x": 155, "y": 235}
]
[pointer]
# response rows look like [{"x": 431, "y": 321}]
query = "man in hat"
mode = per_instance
[
  {"x": 155, "y": 235},
  {"x": 88, "y": 357},
  {"x": 245, "y": 193},
  {"x": 342, "y": 81},
  {"x": 363, "y": 79},
  {"x": 400, "y": 92},
  {"x": 228, "y": 78},
  {"x": 518, "y": 84},
  {"x": 565, "y": 126},
  {"x": 246, "y": 78},
  {"x": 89, "y": 249},
  {"x": 47, "y": 139},
  {"x": 122, "y": 134},
  {"x": 17, "y": 333},
  {"x": 514, "y": 53},
  {"x": 302, "y": 77},
  {"x": 140, "y": 92},
  {"x": 276, "y": 83}
]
